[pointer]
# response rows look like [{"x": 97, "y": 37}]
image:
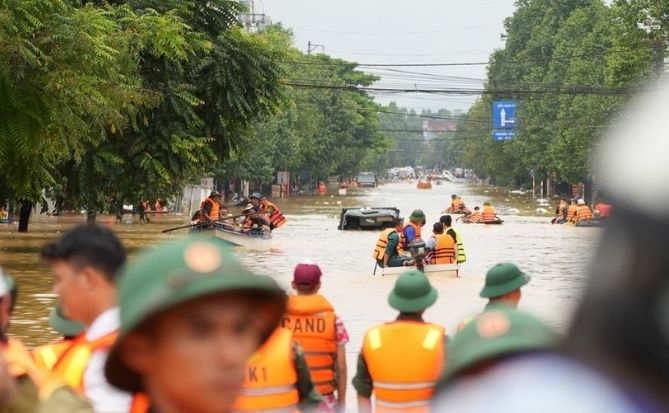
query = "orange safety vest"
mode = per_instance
[
  {"x": 271, "y": 381},
  {"x": 583, "y": 213},
  {"x": 444, "y": 250},
  {"x": 457, "y": 204},
  {"x": 416, "y": 229},
  {"x": 604, "y": 209},
  {"x": 72, "y": 363},
  {"x": 488, "y": 213},
  {"x": 571, "y": 212},
  {"x": 404, "y": 359},
  {"x": 311, "y": 318},
  {"x": 380, "y": 248},
  {"x": 214, "y": 213},
  {"x": 276, "y": 218},
  {"x": 47, "y": 355}
]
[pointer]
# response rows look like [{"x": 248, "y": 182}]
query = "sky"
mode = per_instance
[{"x": 456, "y": 34}]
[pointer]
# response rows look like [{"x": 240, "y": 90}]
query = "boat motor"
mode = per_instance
[{"x": 417, "y": 249}]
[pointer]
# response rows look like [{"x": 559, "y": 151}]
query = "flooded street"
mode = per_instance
[{"x": 555, "y": 256}]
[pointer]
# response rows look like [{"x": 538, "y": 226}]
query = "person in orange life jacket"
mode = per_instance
[
  {"x": 46, "y": 355},
  {"x": 272, "y": 213},
  {"x": 412, "y": 230},
  {"x": 278, "y": 378},
  {"x": 457, "y": 206},
  {"x": 488, "y": 214},
  {"x": 441, "y": 246},
  {"x": 602, "y": 209},
  {"x": 254, "y": 199},
  {"x": 209, "y": 210},
  {"x": 84, "y": 263},
  {"x": 191, "y": 316},
  {"x": 305, "y": 310},
  {"x": 447, "y": 220},
  {"x": 401, "y": 361},
  {"x": 476, "y": 215},
  {"x": 388, "y": 247},
  {"x": 572, "y": 211},
  {"x": 502, "y": 288},
  {"x": 252, "y": 221},
  {"x": 24, "y": 387},
  {"x": 583, "y": 212}
]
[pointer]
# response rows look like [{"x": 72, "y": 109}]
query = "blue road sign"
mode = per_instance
[
  {"x": 502, "y": 135},
  {"x": 504, "y": 114}
]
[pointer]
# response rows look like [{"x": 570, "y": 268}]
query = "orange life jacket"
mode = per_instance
[
  {"x": 416, "y": 228},
  {"x": 140, "y": 403},
  {"x": 72, "y": 363},
  {"x": 475, "y": 216},
  {"x": 444, "y": 250},
  {"x": 19, "y": 361},
  {"x": 47, "y": 355},
  {"x": 457, "y": 204},
  {"x": 276, "y": 218},
  {"x": 271, "y": 381},
  {"x": 488, "y": 213},
  {"x": 583, "y": 213},
  {"x": 604, "y": 209},
  {"x": 311, "y": 318},
  {"x": 571, "y": 212},
  {"x": 380, "y": 248},
  {"x": 404, "y": 359},
  {"x": 214, "y": 213}
]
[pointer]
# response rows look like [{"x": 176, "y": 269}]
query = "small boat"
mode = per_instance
[
  {"x": 439, "y": 270},
  {"x": 465, "y": 220},
  {"x": 367, "y": 218},
  {"x": 251, "y": 240},
  {"x": 590, "y": 223},
  {"x": 424, "y": 185}
]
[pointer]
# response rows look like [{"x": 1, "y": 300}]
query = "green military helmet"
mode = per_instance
[
  {"x": 495, "y": 334},
  {"x": 63, "y": 325},
  {"x": 412, "y": 292},
  {"x": 502, "y": 279},
  {"x": 256, "y": 195},
  {"x": 417, "y": 215},
  {"x": 174, "y": 273}
]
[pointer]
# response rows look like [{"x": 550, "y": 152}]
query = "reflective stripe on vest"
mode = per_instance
[
  {"x": 47, "y": 355},
  {"x": 444, "y": 250},
  {"x": 417, "y": 352},
  {"x": 271, "y": 380},
  {"x": 380, "y": 248},
  {"x": 311, "y": 318},
  {"x": 72, "y": 363}
]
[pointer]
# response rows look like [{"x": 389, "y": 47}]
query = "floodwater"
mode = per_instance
[{"x": 555, "y": 256}]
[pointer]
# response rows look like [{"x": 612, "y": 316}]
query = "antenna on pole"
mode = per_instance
[{"x": 313, "y": 46}]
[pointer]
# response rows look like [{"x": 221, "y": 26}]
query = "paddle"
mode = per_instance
[{"x": 200, "y": 224}]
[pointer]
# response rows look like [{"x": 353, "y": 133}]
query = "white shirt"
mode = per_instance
[{"x": 104, "y": 397}]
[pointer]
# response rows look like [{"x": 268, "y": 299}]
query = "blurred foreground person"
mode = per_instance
[
  {"x": 191, "y": 316},
  {"x": 614, "y": 356},
  {"x": 84, "y": 263},
  {"x": 321, "y": 334},
  {"x": 400, "y": 361},
  {"x": 47, "y": 355}
]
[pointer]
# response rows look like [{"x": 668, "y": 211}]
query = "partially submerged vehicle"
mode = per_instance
[{"x": 367, "y": 218}]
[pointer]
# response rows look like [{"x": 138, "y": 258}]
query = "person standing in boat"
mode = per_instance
[
  {"x": 324, "y": 347},
  {"x": 389, "y": 251},
  {"x": 400, "y": 361},
  {"x": 502, "y": 288}
]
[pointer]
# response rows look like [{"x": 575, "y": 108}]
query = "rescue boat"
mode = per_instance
[
  {"x": 251, "y": 240},
  {"x": 437, "y": 270},
  {"x": 424, "y": 185}
]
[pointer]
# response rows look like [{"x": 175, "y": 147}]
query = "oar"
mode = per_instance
[{"x": 200, "y": 224}]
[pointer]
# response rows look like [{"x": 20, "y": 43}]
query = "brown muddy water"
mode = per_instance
[{"x": 555, "y": 256}]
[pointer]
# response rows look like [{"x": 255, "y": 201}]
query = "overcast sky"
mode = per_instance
[{"x": 402, "y": 32}]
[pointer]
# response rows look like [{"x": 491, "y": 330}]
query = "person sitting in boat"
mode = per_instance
[
  {"x": 412, "y": 230},
  {"x": 475, "y": 216},
  {"x": 210, "y": 209},
  {"x": 571, "y": 211},
  {"x": 457, "y": 206},
  {"x": 583, "y": 211},
  {"x": 389, "y": 251},
  {"x": 253, "y": 222},
  {"x": 255, "y": 201},
  {"x": 488, "y": 214},
  {"x": 225, "y": 217},
  {"x": 440, "y": 246},
  {"x": 272, "y": 212},
  {"x": 602, "y": 209}
]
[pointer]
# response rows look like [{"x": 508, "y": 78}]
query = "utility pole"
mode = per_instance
[{"x": 313, "y": 46}]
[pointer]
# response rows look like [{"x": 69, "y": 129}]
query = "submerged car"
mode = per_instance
[{"x": 367, "y": 218}]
